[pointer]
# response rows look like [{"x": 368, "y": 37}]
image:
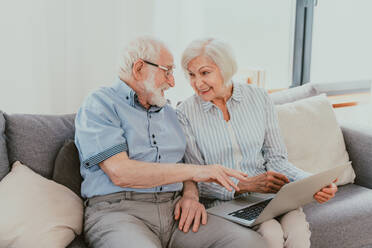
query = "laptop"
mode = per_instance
[{"x": 256, "y": 208}]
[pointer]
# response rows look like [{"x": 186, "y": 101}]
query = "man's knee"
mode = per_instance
[
  {"x": 243, "y": 237},
  {"x": 219, "y": 233},
  {"x": 251, "y": 241}
]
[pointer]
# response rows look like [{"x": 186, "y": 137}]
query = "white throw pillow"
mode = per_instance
[
  {"x": 37, "y": 212},
  {"x": 313, "y": 137}
]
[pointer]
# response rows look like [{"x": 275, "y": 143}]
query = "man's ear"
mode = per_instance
[{"x": 137, "y": 69}]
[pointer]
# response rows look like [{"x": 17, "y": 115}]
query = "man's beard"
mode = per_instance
[{"x": 155, "y": 94}]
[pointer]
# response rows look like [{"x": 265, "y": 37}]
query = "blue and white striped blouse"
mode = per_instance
[{"x": 250, "y": 141}]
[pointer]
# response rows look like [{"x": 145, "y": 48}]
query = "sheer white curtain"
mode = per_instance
[{"x": 54, "y": 52}]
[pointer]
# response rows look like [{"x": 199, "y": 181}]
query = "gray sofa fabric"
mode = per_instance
[
  {"x": 4, "y": 162},
  {"x": 78, "y": 242},
  {"x": 67, "y": 167},
  {"x": 358, "y": 141},
  {"x": 343, "y": 222},
  {"x": 36, "y": 139}
]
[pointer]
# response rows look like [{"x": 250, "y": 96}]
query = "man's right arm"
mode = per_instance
[
  {"x": 101, "y": 140},
  {"x": 125, "y": 172}
]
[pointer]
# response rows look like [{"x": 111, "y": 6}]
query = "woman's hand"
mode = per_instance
[
  {"x": 268, "y": 182},
  {"x": 191, "y": 211},
  {"x": 326, "y": 193},
  {"x": 218, "y": 174}
]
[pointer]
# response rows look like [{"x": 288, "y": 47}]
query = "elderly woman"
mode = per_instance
[{"x": 236, "y": 125}]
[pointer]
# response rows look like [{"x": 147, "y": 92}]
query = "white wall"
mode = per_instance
[
  {"x": 53, "y": 52},
  {"x": 342, "y": 41}
]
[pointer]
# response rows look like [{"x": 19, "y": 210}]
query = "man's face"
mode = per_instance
[{"x": 159, "y": 80}]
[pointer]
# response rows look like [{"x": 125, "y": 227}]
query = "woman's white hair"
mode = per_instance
[
  {"x": 216, "y": 50},
  {"x": 143, "y": 47}
]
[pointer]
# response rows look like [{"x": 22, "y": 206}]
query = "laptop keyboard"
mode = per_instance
[{"x": 251, "y": 212}]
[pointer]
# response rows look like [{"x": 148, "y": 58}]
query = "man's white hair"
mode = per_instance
[
  {"x": 218, "y": 51},
  {"x": 143, "y": 47}
]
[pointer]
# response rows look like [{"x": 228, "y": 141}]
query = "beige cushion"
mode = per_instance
[
  {"x": 37, "y": 212},
  {"x": 313, "y": 137}
]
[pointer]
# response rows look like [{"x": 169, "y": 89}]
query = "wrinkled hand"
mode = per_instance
[
  {"x": 268, "y": 182},
  {"x": 218, "y": 174},
  {"x": 326, "y": 193},
  {"x": 190, "y": 210}
]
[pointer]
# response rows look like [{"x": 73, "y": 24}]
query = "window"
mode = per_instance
[{"x": 261, "y": 34}]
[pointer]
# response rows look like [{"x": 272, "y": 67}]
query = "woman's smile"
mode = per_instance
[{"x": 205, "y": 91}]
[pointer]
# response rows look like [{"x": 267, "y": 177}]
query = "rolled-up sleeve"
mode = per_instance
[
  {"x": 274, "y": 149},
  {"x": 99, "y": 134}
]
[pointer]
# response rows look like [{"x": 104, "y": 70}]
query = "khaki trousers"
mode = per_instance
[
  {"x": 130, "y": 219},
  {"x": 289, "y": 231}
]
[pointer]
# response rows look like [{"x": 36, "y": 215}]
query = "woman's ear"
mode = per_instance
[{"x": 137, "y": 69}]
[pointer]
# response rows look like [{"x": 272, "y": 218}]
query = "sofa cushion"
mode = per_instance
[
  {"x": 4, "y": 162},
  {"x": 313, "y": 137},
  {"x": 294, "y": 94},
  {"x": 67, "y": 167},
  {"x": 37, "y": 212},
  {"x": 345, "y": 221},
  {"x": 36, "y": 139}
]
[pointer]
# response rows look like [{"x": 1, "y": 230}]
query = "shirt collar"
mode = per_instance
[
  {"x": 206, "y": 105},
  {"x": 237, "y": 92},
  {"x": 124, "y": 91},
  {"x": 130, "y": 96},
  {"x": 236, "y": 96}
]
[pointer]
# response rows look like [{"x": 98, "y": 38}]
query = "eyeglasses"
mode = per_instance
[{"x": 168, "y": 71}]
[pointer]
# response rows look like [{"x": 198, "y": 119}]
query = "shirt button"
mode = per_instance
[
  {"x": 154, "y": 142},
  {"x": 127, "y": 97},
  {"x": 153, "y": 135},
  {"x": 159, "y": 157},
  {"x": 161, "y": 188},
  {"x": 150, "y": 116}
]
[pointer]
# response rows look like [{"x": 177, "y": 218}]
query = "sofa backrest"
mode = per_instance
[
  {"x": 294, "y": 94},
  {"x": 36, "y": 139}
]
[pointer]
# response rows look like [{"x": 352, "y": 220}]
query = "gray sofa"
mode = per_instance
[{"x": 345, "y": 221}]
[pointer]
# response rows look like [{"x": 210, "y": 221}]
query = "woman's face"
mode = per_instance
[{"x": 206, "y": 78}]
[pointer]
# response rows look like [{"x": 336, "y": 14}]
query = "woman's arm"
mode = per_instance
[{"x": 274, "y": 149}]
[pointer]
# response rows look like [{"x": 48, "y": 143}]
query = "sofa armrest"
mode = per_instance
[{"x": 358, "y": 141}]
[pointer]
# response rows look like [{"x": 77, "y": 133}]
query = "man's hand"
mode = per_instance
[
  {"x": 326, "y": 193},
  {"x": 268, "y": 182},
  {"x": 218, "y": 174},
  {"x": 190, "y": 210}
]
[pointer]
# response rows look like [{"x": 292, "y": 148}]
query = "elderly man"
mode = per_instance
[{"x": 130, "y": 145}]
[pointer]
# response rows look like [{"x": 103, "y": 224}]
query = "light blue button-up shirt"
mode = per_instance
[{"x": 110, "y": 121}]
